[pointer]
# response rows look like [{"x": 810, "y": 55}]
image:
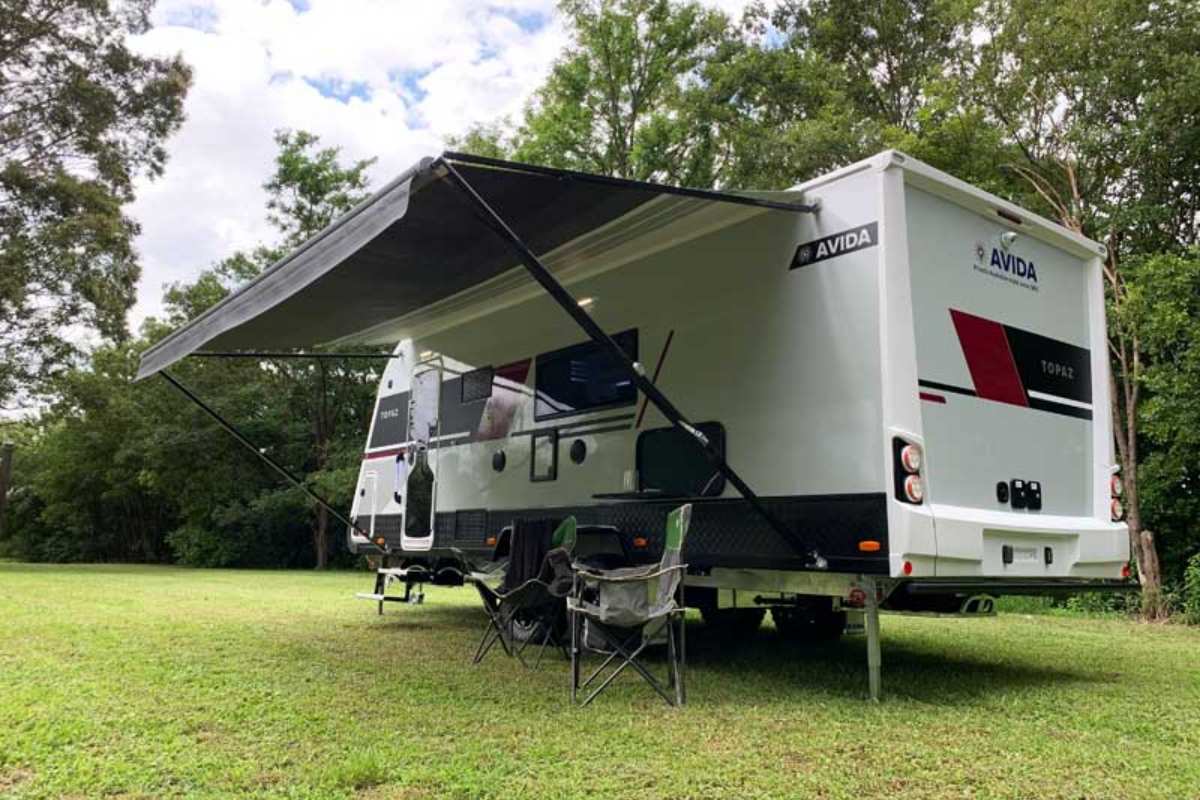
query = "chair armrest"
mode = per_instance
[{"x": 639, "y": 577}]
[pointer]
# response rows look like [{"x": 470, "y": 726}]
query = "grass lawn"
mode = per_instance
[{"x": 150, "y": 682}]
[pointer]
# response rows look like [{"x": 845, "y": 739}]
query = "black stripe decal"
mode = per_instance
[
  {"x": 1034, "y": 402},
  {"x": 1060, "y": 408},
  {"x": 563, "y": 429},
  {"x": 945, "y": 387},
  {"x": 593, "y": 431}
]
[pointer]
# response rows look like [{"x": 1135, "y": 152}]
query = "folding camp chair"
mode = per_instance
[
  {"x": 536, "y": 607},
  {"x": 626, "y": 610}
]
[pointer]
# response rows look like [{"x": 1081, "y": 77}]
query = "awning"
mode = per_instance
[
  {"x": 419, "y": 240},
  {"x": 441, "y": 228}
]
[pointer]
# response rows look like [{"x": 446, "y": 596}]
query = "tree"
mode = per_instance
[
  {"x": 81, "y": 116},
  {"x": 887, "y": 52},
  {"x": 617, "y": 101},
  {"x": 308, "y": 190},
  {"x": 821, "y": 84},
  {"x": 1162, "y": 302},
  {"x": 1100, "y": 102}
]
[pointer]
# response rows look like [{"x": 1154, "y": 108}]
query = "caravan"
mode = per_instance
[
  {"x": 913, "y": 377},
  {"x": 883, "y": 389}
]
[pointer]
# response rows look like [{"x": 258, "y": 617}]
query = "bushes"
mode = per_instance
[{"x": 1191, "y": 591}]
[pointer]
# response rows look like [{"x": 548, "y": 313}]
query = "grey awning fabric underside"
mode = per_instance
[{"x": 416, "y": 242}]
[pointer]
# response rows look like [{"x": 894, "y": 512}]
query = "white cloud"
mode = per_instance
[{"x": 408, "y": 73}]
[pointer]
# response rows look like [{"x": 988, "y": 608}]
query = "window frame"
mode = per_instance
[{"x": 564, "y": 352}]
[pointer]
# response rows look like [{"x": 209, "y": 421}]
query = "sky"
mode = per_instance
[{"x": 389, "y": 79}]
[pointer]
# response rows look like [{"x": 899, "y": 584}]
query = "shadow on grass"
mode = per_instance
[
  {"x": 919, "y": 672},
  {"x": 768, "y": 668}
]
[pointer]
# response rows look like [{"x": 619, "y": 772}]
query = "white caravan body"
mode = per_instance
[{"x": 911, "y": 309}]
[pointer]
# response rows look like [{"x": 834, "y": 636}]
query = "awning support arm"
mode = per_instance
[
  {"x": 287, "y": 474},
  {"x": 568, "y": 303}
]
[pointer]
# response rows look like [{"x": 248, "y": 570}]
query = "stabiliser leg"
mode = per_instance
[{"x": 874, "y": 657}]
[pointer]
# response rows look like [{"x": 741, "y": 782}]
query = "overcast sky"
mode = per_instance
[{"x": 379, "y": 78}]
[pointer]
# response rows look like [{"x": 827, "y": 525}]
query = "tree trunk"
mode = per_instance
[
  {"x": 1125, "y": 404},
  {"x": 321, "y": 537},
  {"x": 6, "y": 456}
]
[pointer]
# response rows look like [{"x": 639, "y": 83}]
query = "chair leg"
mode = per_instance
[
  {"x": 673, "y": 653},
  {"x": 542, "y": 649},
  {"x": 672, "y": 673},
  {"x": 494, "y": 632},
  {"x": 574, "y": 619},
  {"x": 629, "y": 660},
  {"x": 682, "y": 622},
  {"x": 490, "y": 635}
]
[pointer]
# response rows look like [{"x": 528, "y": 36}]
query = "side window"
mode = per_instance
[
  {"x": 583, "y": 377},
  {"x": 673, "y": 463}
]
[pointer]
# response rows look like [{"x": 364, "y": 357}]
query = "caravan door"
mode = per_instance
[{"x": 420, "y": 482}]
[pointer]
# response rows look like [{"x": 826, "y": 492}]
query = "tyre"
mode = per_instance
[
  {"x": 809, "y": 623},
  {"x": 733, "y": 622}
]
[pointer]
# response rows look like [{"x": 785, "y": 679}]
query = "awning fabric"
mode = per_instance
[{"x": 416, "y": 242}]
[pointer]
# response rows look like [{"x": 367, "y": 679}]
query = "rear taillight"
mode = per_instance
[
  {"x": 914, "y": 491},
  {"x": 1115, "y": 487},
  {"x": 1117, "y": 510},
  {"x": 1126, "y": 571},
  {"x": 908, "y": 460}
]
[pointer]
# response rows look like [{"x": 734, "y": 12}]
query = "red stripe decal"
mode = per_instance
[
  {"x": 516, "y": 372},
  {"x": 395, "y": 451},
  {"x": 933, "y": 398},
  {"x": 989, "y": 358},
  {"x": 657, "y": 369}
]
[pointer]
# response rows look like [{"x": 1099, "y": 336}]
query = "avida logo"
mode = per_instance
[
  {"x": 1014, "y": 264},
  {"x": 1000, "y": 263},
  {"x": 836, "y": 244}
]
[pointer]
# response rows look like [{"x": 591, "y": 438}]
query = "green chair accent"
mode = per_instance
[{"x": 565, "y": 535}]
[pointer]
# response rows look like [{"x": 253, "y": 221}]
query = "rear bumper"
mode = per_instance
[{"x": 1018, "y": 546}]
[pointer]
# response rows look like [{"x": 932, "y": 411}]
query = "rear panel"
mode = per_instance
[{"x": 1002, "y": 331}]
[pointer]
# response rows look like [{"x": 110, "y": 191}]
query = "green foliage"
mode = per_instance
[
  {"x": 134, "y": 472},
  {"x": 81, "y": 116},
  {"x": 310, "y": 188},
  {"x": 619, "y": 100},
  {"x": 1191, "y": 590}
]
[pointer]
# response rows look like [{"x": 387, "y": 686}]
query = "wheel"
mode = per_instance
[
  {"x": 733, "y": 622},
  {"x": 809, "y": 623}
]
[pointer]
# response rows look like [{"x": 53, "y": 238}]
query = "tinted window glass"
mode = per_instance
[{"x": 582, "y": 378}]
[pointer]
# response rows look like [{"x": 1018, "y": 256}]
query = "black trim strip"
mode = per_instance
[
  {"x": 587, "y": 177},
  {"x": 725, "y": 531}
]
